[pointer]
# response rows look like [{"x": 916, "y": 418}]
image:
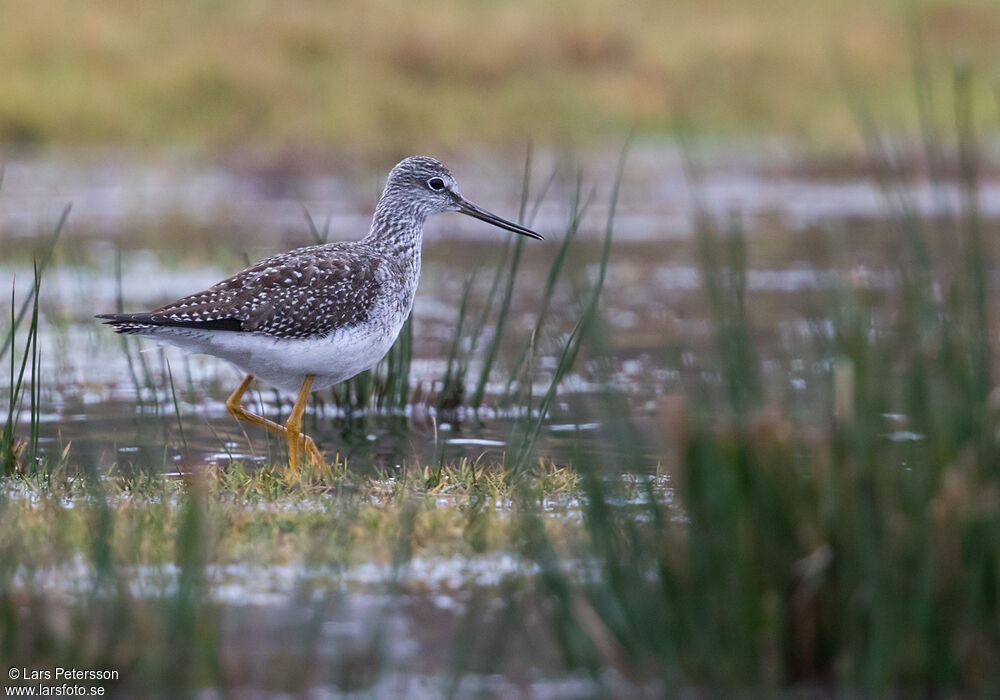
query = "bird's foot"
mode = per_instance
[
  {"x": 313, "y": 456},
  {"x": 300, "y": 446}
]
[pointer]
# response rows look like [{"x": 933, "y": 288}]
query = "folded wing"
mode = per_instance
[{"x": 300, "y": 294}]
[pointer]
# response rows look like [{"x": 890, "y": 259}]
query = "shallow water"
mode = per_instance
[
  {"x": 179, "y": 226},
  {"x": 143, "y": 233}
]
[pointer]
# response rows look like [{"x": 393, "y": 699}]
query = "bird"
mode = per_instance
[{"x": 312, "y": 317}]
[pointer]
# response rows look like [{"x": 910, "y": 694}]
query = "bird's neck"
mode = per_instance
[{"x": 397, "y": 226}]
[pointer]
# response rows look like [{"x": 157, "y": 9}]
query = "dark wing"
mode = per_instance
[{"x": 300, "y": 294}]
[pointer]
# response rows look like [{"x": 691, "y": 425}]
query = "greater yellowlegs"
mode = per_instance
[{"x": 309, "y": 318}]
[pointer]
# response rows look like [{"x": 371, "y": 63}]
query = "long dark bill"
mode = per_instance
[{"x": 467, "y": 207}]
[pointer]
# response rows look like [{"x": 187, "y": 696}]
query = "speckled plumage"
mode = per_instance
[
  {"x": 331, "y": 310},
  {"x": 303, "y": 293}
]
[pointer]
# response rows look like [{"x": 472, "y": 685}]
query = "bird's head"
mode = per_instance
[{"x": 425, "y": 183}]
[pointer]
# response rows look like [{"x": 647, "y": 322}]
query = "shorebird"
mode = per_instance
[{"x": 312, "y": 317}]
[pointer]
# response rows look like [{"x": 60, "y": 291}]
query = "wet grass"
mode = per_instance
[
  {"x": 11, "y": 448},
  {"x": 127, "y": 571}
]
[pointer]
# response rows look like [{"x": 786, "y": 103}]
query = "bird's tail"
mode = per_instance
[
  {"x": 129, "y": 324},
  {"x": 133, "y": 324}
]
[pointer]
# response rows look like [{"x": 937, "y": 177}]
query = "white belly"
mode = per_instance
[{"x": 283, "y": 362}]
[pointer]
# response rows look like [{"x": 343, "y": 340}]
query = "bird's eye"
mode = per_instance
[{"x": 436, "y": 184}]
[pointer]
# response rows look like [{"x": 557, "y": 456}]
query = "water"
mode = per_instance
[{"x": 179, "y": 226}]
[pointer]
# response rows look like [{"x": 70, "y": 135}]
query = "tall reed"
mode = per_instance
[
  {"x": 11, "y": 450},
  {"x": 833, "y": 556}
]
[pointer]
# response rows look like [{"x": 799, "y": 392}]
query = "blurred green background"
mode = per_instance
[{"x": 383, "y": 77}]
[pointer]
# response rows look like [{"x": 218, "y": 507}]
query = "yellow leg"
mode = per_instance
[
  {"x": 293, "y": 429},
  {"x": 235, "y": 408}
]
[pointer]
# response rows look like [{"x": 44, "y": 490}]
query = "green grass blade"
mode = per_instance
[
  {"x": 177, "y": 407},
  {"x": 524, "y": 441},
  {"x": 45, "y": 260}
]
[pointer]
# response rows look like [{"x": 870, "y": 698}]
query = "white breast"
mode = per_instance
[{"x": 284, "y": 363}]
